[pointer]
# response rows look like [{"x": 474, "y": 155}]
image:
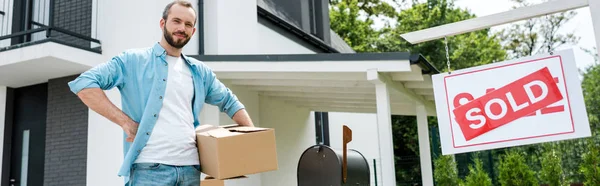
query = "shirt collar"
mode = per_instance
[{"x": 159, "y": 51}]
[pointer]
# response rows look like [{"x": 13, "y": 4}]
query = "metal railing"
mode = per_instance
[{"x": 37, "y": 21}]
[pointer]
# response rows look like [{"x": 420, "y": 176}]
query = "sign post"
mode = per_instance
[{"x": 524, "y": 101}]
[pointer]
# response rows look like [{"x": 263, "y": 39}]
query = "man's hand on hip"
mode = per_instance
[
  {"x": 130, "y": 129},
  {"x": 96, "y": 100}
]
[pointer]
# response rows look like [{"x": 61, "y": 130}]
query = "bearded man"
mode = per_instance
[{"x": 162, "y": 93}]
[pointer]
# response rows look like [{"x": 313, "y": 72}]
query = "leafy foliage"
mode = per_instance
[
  {"x": 551, "y": 171},
  {"x": 345, "y": 20},
  {"x": 590, "y": 166},
  {"x": 477, "y": 175},
  {"x": 514, "y": 170},
  {"x": 445, "y": 173},
  {"x": 354, "y": 21},
  {"x": 537, "y": 35},
  {"x": 466, "y": 50}
]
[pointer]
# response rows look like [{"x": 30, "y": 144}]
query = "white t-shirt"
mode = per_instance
[{"x": 173, "y": 139}]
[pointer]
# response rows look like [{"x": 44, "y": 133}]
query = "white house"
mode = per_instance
[{"x": 278, "y": 56}]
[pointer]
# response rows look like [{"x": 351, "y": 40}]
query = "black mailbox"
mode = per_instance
[{"x": 321, "y": 165}]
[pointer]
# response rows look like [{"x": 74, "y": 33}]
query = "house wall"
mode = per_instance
[
  {"x": 294, "y": 130},
  {"x": 364, "y": 136},
  {"x": 122, "y": 25},
  {"x": 294, "y": 127},
  {"x": 66, "y": 136},
  {"x": 275, "y": 40},
  {"x": 104, "y": 147},
  {"x": 2, "y": 118}
]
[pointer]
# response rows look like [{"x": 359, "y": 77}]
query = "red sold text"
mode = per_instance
[{"x": 498, "y": 107}]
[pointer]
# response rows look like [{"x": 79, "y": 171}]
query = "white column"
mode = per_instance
[
  {"x": 594, "y": 6},
  {"x": 231, "y": 27},
  {"x": 384, "y": 129},
  {"x": 424, "y": 148},
  {"x": 2, "y": 113}
]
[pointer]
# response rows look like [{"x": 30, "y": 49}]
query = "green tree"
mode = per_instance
[
  {"x": 353, "y": 21},
  {"x": 465, "y": 50},
  {"x": 551, "y": 171},
  {"x": 477, "y": 175},
  {"x": 445, "y": 173},
  {"x": 590, "y": 167},
  {"x": 591, "y": 91},
  {"x": 514, "y": 171},
  {"x": 537, "y": 35}
]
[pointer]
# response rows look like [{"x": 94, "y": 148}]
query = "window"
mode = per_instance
[
  {"x": 322, "y": 128},
  {"x": 312, "y": 16}
]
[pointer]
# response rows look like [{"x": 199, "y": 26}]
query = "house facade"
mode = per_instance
[{"x": 280, "y": 57}]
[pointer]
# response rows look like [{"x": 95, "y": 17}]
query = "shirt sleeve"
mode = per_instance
[
  {"x": 104, "y": 76},
  {"x": 219, "y": 95}
]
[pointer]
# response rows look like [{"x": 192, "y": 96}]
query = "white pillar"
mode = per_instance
[
  {"x": 2, "y": 113},
  {"x": 384, "y": 129},
  {"x": 594, "y": 6},
  {"x": 424, "y": 148},
  {"x": 231, "y": 27}
]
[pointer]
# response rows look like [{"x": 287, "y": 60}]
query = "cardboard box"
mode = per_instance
[
  {"x": 210, "y": 181},
  {"x": 233, "y": 151}
]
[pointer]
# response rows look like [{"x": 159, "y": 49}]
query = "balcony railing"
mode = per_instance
[{"x": 29, "y": 22}]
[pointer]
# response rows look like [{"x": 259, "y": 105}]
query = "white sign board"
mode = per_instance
[{"x": 525, "y": 101}]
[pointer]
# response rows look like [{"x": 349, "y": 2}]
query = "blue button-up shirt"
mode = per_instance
[{"x": 141, "y": 77}]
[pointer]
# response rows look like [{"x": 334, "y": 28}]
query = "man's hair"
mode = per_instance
[{"x": 179, "y": 2}]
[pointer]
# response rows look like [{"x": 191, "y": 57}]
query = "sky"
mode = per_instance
[{"x": 581, "y": 24}]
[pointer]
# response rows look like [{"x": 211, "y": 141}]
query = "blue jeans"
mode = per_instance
[{"x": 167, "y": 175}]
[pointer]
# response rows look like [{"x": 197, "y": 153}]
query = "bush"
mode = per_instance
[
  {"x": 551, "y": 172},
  {"x": 445, "y": 173},
  {"x": 514, "y": 171},
  {"x": 589, "y": 168},
  {"x": 477, "y": 176}
]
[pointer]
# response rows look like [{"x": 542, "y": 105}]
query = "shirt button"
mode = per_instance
[
  {"x": 164, "y": 80},
  {"x": 147, "y": 133},
  {"x": 139, "y": 151},
  {"x": 165, "y": 64},
  {"x": 160, "y": 97},
  {"x": 154, "y": 115}
]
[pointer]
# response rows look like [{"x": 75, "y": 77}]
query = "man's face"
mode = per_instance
[{"x": 179, "y": 26}]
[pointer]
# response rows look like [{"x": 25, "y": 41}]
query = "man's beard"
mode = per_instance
[{"x": 169, "y": 37}]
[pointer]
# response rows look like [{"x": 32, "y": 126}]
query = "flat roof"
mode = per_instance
[{"x": 331, "y": 82}]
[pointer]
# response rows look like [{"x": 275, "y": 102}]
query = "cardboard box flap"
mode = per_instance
[
  {"x": 205, "y": 128},
  {"x": 220, "y": 133},
  {"x": 213, "y": 131},
  {"x": 247, "y": 129},
  {"x": 230, "y": 126}
]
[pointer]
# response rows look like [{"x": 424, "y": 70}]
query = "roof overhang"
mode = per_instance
[
  {"x": 39, "y": 62},
  {"x": 331, "y": 82}
]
